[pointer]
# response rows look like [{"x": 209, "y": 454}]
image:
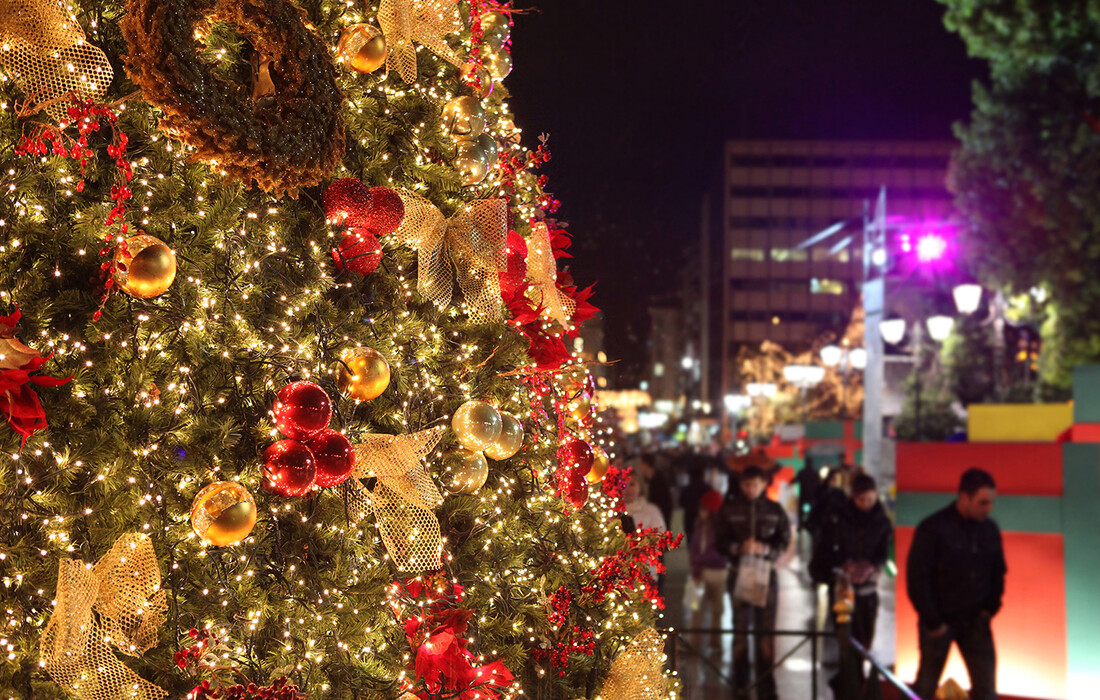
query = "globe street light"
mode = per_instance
[
  {"x": 939, "y": 327},
  {"x": 892, "y": 329},
  {"x": 831, "y": 355},
  {"x": 967, "y": 297}
]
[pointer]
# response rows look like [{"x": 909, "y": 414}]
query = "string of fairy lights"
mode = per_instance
[{"x": 408, "y": 345}]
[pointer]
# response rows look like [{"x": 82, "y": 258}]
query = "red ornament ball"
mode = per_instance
[
  {"x": 289, "y": 468},
  {"x": 334, "y": 457},
  {"x": 347, "y": 202},
  {"x": 301, "y": 410},
  {"x": 576, "y": 490},
  {"x": 576, "y": 457},
  {"x": 359, "y": 252},
  {"x": 387, "y": 211}
]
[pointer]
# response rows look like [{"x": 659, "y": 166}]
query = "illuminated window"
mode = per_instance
[
  {"x": 823, "y": 286},
  {"x": 788, "y": 255},
  {"x": 843, "y": 256},
  {"x": 821, "y": 254},
  {"x": 754, "y": 254}
]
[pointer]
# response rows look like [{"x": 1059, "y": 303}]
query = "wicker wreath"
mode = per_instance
[{"x": 289, "y": 139}]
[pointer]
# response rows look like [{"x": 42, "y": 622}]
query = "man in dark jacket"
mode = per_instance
[
  {"x": 855, "y": 541},
  {"x": 753, "y": 525},
  {"x": 956, "y": 578}
]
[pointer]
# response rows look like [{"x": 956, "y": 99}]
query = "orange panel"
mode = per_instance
[
  {"x": 1030, "y": 631},
  {"x": 1023, "y": 469}
]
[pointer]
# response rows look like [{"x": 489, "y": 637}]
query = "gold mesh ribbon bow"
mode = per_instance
[
  {"x": 43, "y": 48},
  {"x": 404, "y": 498},
  {"x": 472, "y": 242},
  {"x": 117, "y": 602},
  {"x": 427, "y": 22},
  {"x": 637, "y": 673},
  {"x": 542, "y": 271}
]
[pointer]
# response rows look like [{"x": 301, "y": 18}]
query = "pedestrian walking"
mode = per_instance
[
  {"x": 955, "y": 580},
  {"x": 709, "y": 566},
  {"x": 754, "y": 532}
]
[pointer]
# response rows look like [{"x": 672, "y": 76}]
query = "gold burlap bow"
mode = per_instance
[
  {"x": 472, "y": 242},
  {"x": 637, "y": 673},
  {"x": 542, "y": 272},
  {"x": 426, "y": 22},
  {"x": 43, "y": 48},
  {"x": 404, "y": 498},
  {"x": 117, "y": 602}
]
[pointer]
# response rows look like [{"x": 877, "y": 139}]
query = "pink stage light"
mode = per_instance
[{"x": 931, "y": 247}]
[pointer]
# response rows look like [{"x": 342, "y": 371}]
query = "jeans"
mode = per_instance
[
  {"x": 975, "y": 640},
  {"x": 759, "y": 620}
]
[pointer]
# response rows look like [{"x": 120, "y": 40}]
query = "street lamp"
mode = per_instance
[
  {"x": 831, "y": 355},
  {"x": 857, "y": 358},
  {"x": 939, "y": 327},
  {"x": 892, "y": 329},
  {"x": 804, "y": 376},
  {"x": 967, "y": 297},
  {"x": 764, "y": 390}
]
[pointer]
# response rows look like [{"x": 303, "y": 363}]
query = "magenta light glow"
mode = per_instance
[{"x": 931, "y": 247}]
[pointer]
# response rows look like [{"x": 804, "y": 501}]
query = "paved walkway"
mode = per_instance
[{"x": 798, "y": 610}]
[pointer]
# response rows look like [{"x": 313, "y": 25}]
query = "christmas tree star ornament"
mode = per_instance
[
  {"x": 404, "y": 497},
  {"x": 471, "y": 243},
  {"x": 118, "y": 601},
  {"x": 426, "y": 22}
]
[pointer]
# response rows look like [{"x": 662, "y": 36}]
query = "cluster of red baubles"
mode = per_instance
[
  {"x": 575, "y": 460},
  {"x": 313, "y": 454},
  {"x": 365, "y": 214}
]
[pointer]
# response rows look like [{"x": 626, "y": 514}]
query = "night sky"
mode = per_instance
[{"x": 638, "y": 97}]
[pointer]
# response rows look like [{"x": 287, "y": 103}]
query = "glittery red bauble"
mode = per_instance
[
  {"x": 301, "y": 410},
  {"x": 359, "y": 251},
  {"x": 576, "y": 490},
  {"x": 387, "y": 212},
  {"x": 289, "y": 468},
  {"x": 347, "y": 202},
  {"x": 576, "y": 457},
  {"x": 334, "y": 457}
]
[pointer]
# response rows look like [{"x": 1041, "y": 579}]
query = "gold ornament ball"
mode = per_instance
[
  {"x": 362, "y": 48},
  {"x": 363, "y": 374},
  {"x": 495, "y": 30},
  {"x": 488, "y": 145},
  {"x": 498, "y": 63},
  {"x": 471, "y": 162},
  {"x": 600, "y": 464},
  {"x": 150, "y": 269},
  {"x": 574, "y": 381},
  {"x": 223, "y": 513},
  {"x": 510, "y": 440},
  {"x": 464, "y": 117},
  {"x": 477, "y": 425},
  {"x": 485, "y": 80},
  {"x": 464, "y": 471}
]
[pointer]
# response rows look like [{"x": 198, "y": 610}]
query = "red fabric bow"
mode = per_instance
[{"x": 18, "y": 402}]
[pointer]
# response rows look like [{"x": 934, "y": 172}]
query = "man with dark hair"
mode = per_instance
[
  {"x": 855, "y": 541},
  {"x": 956, "y": 579},
  {"x": 751, "y": 525}
]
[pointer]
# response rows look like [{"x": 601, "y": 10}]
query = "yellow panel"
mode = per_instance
[{"x": 1018, "y": 422}]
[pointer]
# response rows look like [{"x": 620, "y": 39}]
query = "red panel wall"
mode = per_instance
[
  {"x": 1033, "y": 469},
  {"x": 1030, "y": 631}
]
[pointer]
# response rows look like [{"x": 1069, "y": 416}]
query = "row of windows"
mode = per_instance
[
  {"x": 794, "y": 254},
  {"x": 792, "y": 192},
  {"x": 825, "y": 318},
  {"x": 816, "y": 285},
  {"x": 791, "y": 161}
]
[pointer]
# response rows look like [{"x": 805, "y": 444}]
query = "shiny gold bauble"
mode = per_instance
[
  {"x": 362, "y": 48},
  {"x": 464, "y": 117},
  {"x": 601, "y": 463},
  {"x": 498, "y": 63},
  {"x": 464, "y": 471},
  {"x": 149, "y": 270},
  {"x": 485, "y": 80},
  {"x": 510, "y": 440},
  {"x": 471, "y": 162},
  {"x": 223, "y": 513},
  {"x": 495, "y": 30},
  {"x": 477, "y": 425},
  {"x": 488, "y": 145},
  {"x": 363, "y": 374},
  {"x": 573, "y": 381}
]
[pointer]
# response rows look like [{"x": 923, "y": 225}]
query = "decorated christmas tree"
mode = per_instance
[{"x": 288, "y": 406}]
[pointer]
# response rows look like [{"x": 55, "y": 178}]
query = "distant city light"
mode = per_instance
[{"x": 931, "y": 247}]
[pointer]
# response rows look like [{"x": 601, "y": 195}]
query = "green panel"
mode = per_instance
[
  {"x": 857, "y": 456},
  {"x": 1081, "y": 476},
  {"x": 857, "y": 431},
  {"x": 824, "y": 430},
  {"x": 1012, "y": 513},
  {"x": 1086, "y": 394}
]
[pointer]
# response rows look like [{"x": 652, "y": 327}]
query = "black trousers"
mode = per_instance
[
  {"x": 759, "y": 620},
  {"x": 975, "y": 640}
]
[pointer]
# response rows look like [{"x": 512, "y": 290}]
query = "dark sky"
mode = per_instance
[{"x": 637, "y": 98}]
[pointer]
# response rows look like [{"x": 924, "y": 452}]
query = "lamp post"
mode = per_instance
[
  {"x": 804, "y": 377},
  {"x": 844, "y": 360}
]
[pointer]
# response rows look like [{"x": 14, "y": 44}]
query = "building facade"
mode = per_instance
[{"x": 780, "y": 193}]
